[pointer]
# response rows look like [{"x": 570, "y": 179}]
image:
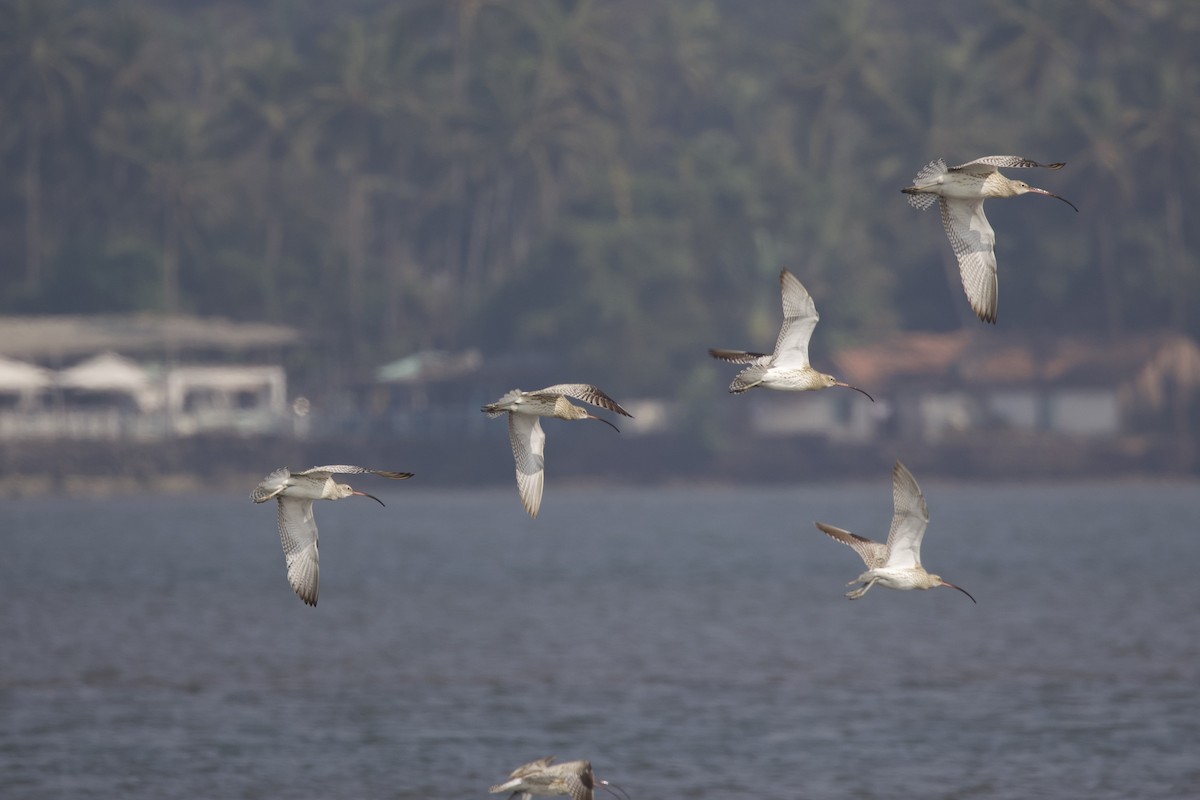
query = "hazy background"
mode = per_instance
[
  {"x": 613, "y": 186},
  {"x": 614, "y": 183}
]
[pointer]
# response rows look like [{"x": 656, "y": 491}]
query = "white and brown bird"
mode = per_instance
[
  {"x": 543, "y": 778},
  {"x": 525, "y": 410},
  {"x": 960, "y": 192},
  {"x": 786, "y": 369},
  {"x": 296, "y": 492},
  {"x": 897, "y": 564}
]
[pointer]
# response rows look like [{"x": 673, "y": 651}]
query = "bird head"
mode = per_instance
[
  {"x": 344, "y": 490},
  {"x": 1021, "y": 187},
  {"x": 829, "y": 380}
]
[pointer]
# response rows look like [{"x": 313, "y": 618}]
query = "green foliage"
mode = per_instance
[{"x": 617, "y": 183}]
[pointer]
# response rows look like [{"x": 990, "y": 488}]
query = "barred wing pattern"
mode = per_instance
[
  {"x": 272, "y": 485},
  {"x": 928, "y": 176},
  {"x": 585, "y": 392},
  {"x": 347, "y": 469},
  {"x": 873, "y": 554},
  {"x": 799, "y": 318},
  {"x": 298, "y": 533},
  {"x": 528, "y": 445},
  {"x": 988, "y": 164},
  {"x": 973, "y": 241},
  {"x": 910, "y": 517},
  {"x": 737, "y": 356},
  {"x": 578, "y": 789}
]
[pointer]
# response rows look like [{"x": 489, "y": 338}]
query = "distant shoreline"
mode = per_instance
[{"x": 210, "y": 464}]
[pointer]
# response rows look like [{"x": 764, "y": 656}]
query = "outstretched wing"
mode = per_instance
[
  {"x": 528, "y": 443},
  {"x": 873, "y": 554},
  {"x": 298, "y": 533},
  {"x": 516, "y": 779},
  {"x": 799, "y": 318},
  {"x": 737, "y": 356},
  {"x": 988, "y": 164},
  {"x": 973, "y": 242},
  {"x": 910, "y": 516},
  {"x": 585, "y": 392},
  {"x": 347, "y": 469},
  {"x": 577, "y": 788},
  {"x": 532, "y": 767}
]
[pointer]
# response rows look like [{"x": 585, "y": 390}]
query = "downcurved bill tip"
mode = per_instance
[
  {"x": 602, "y": 419},
  {"x": 373, "y": 497},
  {"x": 612, "y": 788},
  {"x": 1056, "y": 197},
  {"x": 964, "y": 591},
  {"x": 855, "y": 388}
]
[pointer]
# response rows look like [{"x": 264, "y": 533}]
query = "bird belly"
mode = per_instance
[
  {"x": 962, "y": 186},
  {"x": 896, "y": 578},
  {"x": 789, "y": 380}
]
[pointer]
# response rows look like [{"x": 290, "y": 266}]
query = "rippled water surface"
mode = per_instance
[{"x": 691, "y": 643}]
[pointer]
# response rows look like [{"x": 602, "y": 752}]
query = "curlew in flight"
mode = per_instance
[
  {"x": 525, "y": 410},
  {"x": 897, "y": 564},
  {"x": 960, "y": 192},
  {"x": 297, "y": 527},
  {"x": 547, "y": 779},
  {"x": 786, "y": 369}
]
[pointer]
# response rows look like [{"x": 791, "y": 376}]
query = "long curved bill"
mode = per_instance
[
  {"x": 606, "y": 422},
  {"x": 855, "y": 388},
  {"x": 614, "y": 789},
  {"x": 1052, "y": 194},
  {"x": 373, "y": 497},
  {"x": 964, "y": 591}
]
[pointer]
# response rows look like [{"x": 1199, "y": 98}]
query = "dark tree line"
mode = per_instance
[{"x": 615, "y": 182}]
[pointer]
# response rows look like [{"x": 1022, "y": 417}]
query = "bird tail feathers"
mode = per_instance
[
  {"x": 748, "y": 378},
  {"x": 929, "y": 176}
]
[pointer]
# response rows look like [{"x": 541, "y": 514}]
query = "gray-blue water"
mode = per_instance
[{"x": 691, "y": 643}]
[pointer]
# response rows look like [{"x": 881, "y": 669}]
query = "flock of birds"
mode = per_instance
[{"x": 895, "y": 563}]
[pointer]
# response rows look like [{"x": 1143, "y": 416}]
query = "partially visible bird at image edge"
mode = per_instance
[{"x": 544, "y": 778}]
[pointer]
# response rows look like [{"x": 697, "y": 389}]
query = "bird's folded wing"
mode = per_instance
[
  {"x": 973, "y": 241},
  {"x": 528, "y": 444},
  {"x": 298, "y": 533},
  {"x": 910, "y": 517},
  {"x": 873, "y": 554},
  {"x": 587, "y": 393}
]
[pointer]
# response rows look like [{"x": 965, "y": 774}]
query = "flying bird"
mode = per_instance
[
  {"x": 897, "y": 564},
  {"x": 525, "y": 410},
  {"x": 547, "y": 779},
  {"x": 960, "y": 192},
  {"x": 295, "y": 492},
  {"x": 786, "y": 369}
]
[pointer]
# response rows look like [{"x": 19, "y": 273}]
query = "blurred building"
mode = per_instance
[{"x": 141, "y": 377}]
